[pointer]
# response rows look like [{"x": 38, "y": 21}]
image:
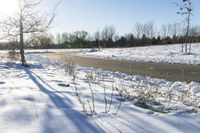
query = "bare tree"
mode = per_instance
[
  {"x": 27, "y": 20},
  {"x": 108, "y": 34},
  {"x": 46, "y": 40},
  {"x": 65, "y": 37},
  {"x": 148, "y": 29},
  {"x": 83, "y": 36},
  {"x": 193, "y": 34},
  {"x": 185, "y": 8},
  {"x": 138, "y": 30},
  {"x": 166, "y": 30},
  {"x": 97, "y": 37},
  {"x": 72, "y": 37},
  {"x": 175, "y": 29},
  {"x": 58, "y": 38},
  {"x": 80, "y": 38}
]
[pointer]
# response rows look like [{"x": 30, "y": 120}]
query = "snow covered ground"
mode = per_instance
[
  {"x": 42, "y": 99},
  {"x": 164, "y": 54},
  {"x": 158, "y": 54}
]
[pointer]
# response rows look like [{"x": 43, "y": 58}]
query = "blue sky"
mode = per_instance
[{"x": 91, "y": 15}]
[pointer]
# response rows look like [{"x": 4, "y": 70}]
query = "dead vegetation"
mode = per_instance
[{"x": 151, "y": 97}]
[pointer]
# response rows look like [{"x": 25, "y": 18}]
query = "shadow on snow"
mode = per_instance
[{"x": 78, "y": 119}]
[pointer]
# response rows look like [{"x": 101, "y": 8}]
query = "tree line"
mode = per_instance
[{"x": 143, "y": 35}]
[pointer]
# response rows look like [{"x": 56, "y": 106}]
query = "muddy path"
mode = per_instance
[{"x": 171, "y": 72}]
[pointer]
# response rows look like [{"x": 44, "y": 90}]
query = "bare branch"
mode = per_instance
[{"x": 27, "y": 21}]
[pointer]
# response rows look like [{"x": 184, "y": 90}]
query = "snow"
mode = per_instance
[
  {"x": 32, "y": 103},
  {"x": 195, "y": 87},
  {"x": 41, "y": 99},
  {"x": 157, "y": 54}
]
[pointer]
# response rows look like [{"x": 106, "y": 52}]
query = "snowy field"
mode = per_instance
[
  {"x": 46, "y": 98},
  {"x": 158, "y": 54},
  {"x": 161, "y": 54}
]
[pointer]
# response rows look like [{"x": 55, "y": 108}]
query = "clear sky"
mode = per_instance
[{"x": 91, "y": 15}]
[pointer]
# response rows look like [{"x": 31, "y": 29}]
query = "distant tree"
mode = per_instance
[
  {"x": 167, "y": 40},
  {"x": 46, "y": 40},
  {"x": 131, "y": 40},
  {"x": 27, "y": 20},
  {"x": 145, "y": 40},
  {"x": 154, "y": 41},
  {"x": 158, "y": 40},
  {"x": 174, "y": 39},
  {"x": 122, "y": 42},
  {"x": 148, "y": 29},
  {"x": 65, "y": 37},
  {"x": 166, "y": 30},
  {"x": 175, "y": 29},
  {"x": 194, "y": 33},
  {"x": 83, "y": 36},
  {"x": 97, "y": 37},
  {"x": 80, "y": 38},
  {"x": 138, "y": 30},
  {"x": 108, "y": 34},
  {"x": 186, "y": 8},
  {"x": 116, "y": 37},
  {"x": 58, "y": 38}
]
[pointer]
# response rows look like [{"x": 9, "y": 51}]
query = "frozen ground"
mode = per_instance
[
  {"x": 166, "y": 54},
  {"x": 158, "y": 54},
  {"x": 39, "y": 100}
]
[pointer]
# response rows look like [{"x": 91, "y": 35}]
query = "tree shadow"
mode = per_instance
[
  {"x": 2, "y": 82},
  {"x": 79, "y": 119},
  {"x": 15, "y": 65}
]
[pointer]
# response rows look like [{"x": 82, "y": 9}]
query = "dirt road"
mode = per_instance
[{"x": 171, "y": 72}]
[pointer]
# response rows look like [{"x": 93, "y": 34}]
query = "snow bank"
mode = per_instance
[{"x": 178, "y": 86}]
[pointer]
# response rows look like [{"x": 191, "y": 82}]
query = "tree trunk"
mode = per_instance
[
  {"x": 23, "y": 61},
  {"x": 186, "y": 46},
  {"x": 182, "y": 47},
  {"x": 187, "y": 34},
  {"x": 190, "y": 48}
]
